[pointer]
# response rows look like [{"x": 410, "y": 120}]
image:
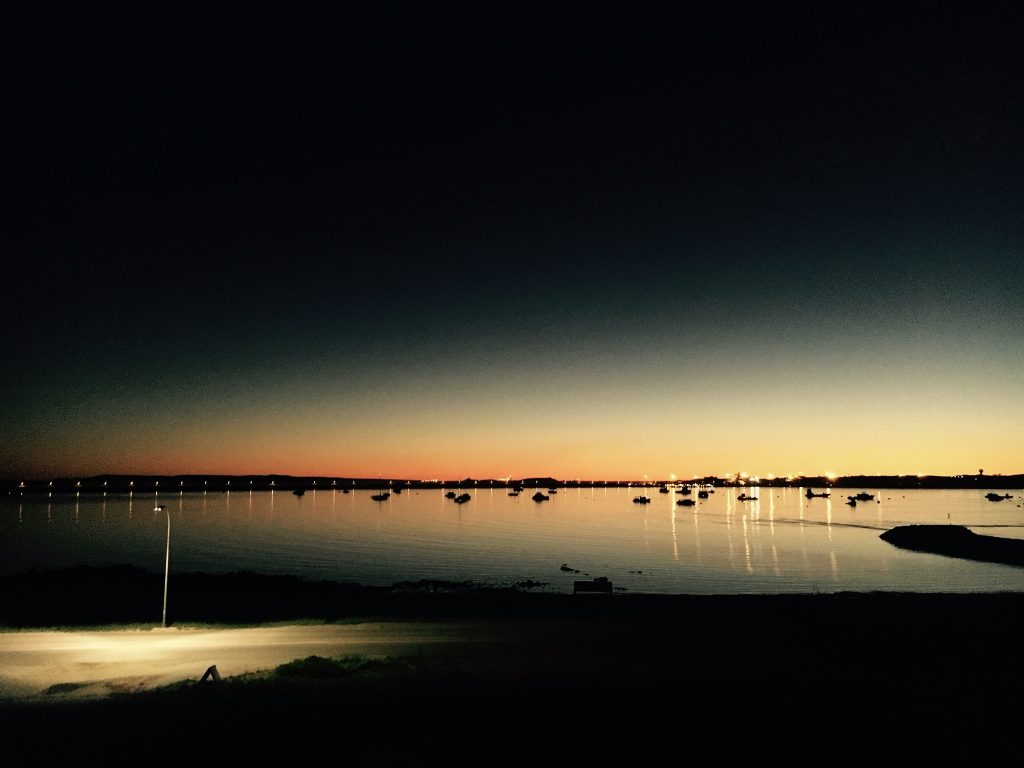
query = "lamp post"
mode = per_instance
[{"x": 167, "y": 556}]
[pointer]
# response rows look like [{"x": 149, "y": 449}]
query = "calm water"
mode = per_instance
[{"x": 780, "y": 543}]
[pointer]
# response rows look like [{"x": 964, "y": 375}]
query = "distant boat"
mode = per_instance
[
  {"x": 686, "y": 502},
  {"x": 663, "y": 489},
  {"x": 381, "y": 496},
  {"x": 702, "y": 494},
  {"x": 744, "y": 497},
  {"x": 513, "y": 493},
  {"x": 538, "y": 496},
  {"x": 641, "y": 500},
  {"x": 463, "y": 498},
  {"x": 686, "y": 491},
  {"x": 997, "y": 497},
  {"x": 552, "y": 490},
  {"x": 450, "y": 495},
  {"x": 811, "y": 494},
  {"x": 864, "y": 496},
  {"x": 298, "y": 491}
]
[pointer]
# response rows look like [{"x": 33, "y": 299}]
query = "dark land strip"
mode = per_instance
[{"x": 957, "y": 541}]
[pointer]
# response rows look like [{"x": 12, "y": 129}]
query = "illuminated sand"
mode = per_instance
[{"x": 98, "y": 663}]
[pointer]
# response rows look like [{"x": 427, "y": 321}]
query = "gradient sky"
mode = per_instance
[{"x": 776, "y": 237}]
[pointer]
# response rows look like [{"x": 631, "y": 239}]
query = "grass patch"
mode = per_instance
[
  {"x": 320, "y": 668},
  {"x": 183, "y": 625},
  {"x": 308, "y": 622},
  {"x": 315, "y": 671},
  {"x": 112, "y": 627},
  {"x": 63, "y": 688}
]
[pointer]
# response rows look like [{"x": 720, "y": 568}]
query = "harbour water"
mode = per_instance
[{"x": 781, "y": 542}]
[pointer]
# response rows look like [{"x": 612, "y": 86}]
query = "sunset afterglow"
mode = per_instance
[{"x": 804, "y": 257}]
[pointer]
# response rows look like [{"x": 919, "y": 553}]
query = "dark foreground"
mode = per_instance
[{"x": 581, "y": 680}]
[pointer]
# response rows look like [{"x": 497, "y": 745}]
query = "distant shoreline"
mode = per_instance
[{"x": 224, "y": 483}]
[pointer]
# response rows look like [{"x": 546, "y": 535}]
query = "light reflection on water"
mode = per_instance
[{"x": 782, "y": 542}]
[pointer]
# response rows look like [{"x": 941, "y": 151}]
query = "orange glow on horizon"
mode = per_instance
[{"x": 484, "y": 444}]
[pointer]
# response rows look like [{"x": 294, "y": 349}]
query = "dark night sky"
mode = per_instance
[{"x": 513, "y": 242}]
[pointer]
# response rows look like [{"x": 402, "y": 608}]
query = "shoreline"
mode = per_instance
[
  {"x": 124, "y": 594},
  {"x": 220, "y": 483},
  {"x": 87, "y": 596}
]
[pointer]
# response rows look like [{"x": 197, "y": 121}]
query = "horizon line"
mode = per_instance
[{"x": 671, "y": 478}]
